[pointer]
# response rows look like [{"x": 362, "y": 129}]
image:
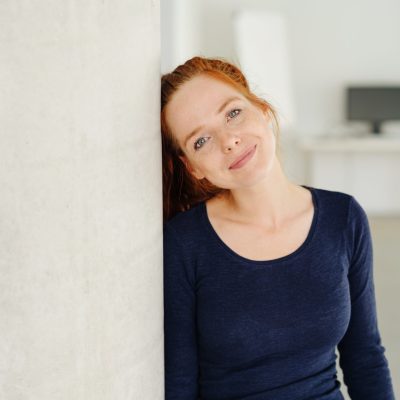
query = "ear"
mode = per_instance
[{"x": 192, "y": 170}]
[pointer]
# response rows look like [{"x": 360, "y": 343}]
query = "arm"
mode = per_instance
[
  {"x": 180, "y": 346},
  {"x": 365, "y": 367}
]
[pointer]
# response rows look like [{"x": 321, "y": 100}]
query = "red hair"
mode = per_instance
[{"x": 181, "y": 190}]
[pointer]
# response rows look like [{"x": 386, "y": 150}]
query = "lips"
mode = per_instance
[{"x": 243, "y": 158}]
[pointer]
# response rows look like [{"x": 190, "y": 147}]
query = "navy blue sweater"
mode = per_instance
[{"x": 245, "y": 329}]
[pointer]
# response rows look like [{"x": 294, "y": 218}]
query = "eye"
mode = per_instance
[
  {"x": 199, "y": 141},
  {"x": 233, "y": 113}
]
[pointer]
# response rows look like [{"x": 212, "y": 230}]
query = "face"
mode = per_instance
[{"x": 215, "y": 125}]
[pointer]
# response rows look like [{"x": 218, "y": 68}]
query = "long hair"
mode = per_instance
[{"x": 181, "y": 190}]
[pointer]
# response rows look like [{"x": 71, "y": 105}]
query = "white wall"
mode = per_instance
[
  {"x": 331, "y": 43},
  {"x": 81, "y": 313},
  {"x": 181, "y": 32}
]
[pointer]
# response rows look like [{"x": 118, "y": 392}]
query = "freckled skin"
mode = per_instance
[{"x": 225, "y": 135}]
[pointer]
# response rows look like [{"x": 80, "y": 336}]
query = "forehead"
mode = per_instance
[
  {"x": 203, "y": 86},
  {"x": 195, "y": 101}
]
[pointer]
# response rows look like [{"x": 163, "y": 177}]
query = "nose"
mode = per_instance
[{"x": 229, "y": 141}]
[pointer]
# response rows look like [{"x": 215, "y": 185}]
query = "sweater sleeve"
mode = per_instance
[
  {"x": 180, "y": 343},
  {"x": 361, "y": 354}
]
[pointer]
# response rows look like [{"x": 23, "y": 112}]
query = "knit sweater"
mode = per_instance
[{"x": 236, "y": 328}]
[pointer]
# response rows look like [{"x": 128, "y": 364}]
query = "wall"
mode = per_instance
[
  {"x": 181, "y": 32},
  {"x": 331, "y": 44},
  {"x": 81, "y": 313}
]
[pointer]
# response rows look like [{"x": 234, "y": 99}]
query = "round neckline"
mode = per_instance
[{"x": 214, "y": 235}]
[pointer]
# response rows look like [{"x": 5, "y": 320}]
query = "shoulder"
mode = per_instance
[
  {"x": 335, "y": 206},
  {"x": 344, "y": 211},
  {"x": 182, "y": 236},
  {"x": 342, "y": 203},
  {"x": 184, "y": 225},
  {"x": 333, "y": 197}
]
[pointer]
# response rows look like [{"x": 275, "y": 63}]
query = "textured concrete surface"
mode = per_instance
[{"x": 80, "y": 205}]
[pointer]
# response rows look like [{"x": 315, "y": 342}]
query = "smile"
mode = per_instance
[{"x": 244, "y": 159}]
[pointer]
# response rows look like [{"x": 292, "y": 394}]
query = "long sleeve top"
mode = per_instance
[{"x": 236, "y": 328}]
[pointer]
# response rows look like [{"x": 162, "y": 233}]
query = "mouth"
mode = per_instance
[{"x": 243, "y": 158}]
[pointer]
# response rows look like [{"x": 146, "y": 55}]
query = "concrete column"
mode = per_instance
[{"x": 81, "y": 311}]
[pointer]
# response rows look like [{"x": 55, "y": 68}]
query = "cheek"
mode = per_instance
[
  {"x": 212, "y": 163},
  {"x": 268, "y": 148},
  {"x": 269, "y": 136},
  {"x": 272, "y": 140}
]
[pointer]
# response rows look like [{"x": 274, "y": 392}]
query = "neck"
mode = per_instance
[{"x": 268, "y": 203}]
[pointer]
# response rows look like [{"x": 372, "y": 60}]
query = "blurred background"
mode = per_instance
[{"x": 332, "y": 70}]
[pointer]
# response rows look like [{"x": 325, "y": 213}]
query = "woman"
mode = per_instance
[{"x": 263, "y": 278}]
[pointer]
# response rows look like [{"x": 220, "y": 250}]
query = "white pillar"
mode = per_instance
[{"x": 81, "y": 305}]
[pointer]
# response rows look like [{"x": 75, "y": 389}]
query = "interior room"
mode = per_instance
[{"x": 332, "y": 70}]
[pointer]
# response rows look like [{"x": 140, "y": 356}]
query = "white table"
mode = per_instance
[{"x": 365, "y": 166}]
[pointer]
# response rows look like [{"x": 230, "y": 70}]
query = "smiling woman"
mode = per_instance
[
  {"x": 232, "y": 105},
  {"x": 232, "y": 128},
  {"x": 263, "y": 278}
]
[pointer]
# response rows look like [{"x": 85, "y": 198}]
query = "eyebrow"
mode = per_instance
[{"x": 223, "y": 105}]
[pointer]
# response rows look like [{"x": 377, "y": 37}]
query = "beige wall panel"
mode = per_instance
[{"x": 80, "y": 205}]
